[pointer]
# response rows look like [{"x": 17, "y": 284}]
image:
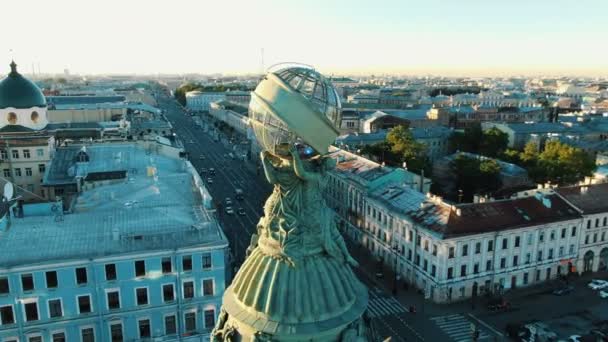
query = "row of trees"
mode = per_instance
[{"x": 557, "y": 163}]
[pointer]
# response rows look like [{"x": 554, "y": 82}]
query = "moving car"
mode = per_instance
[
  {"x": 498, "y": 304},
  {"x": 563, "y": 290},
  {"x": 238, "y": 193},
  {"x": 228, "y": 201},
  {"x": 604, "y": 294},
  {"x": 229, "y": 210},
  {"x": 202, "y": 156},
  {"x": 241, "y": 211},
  {"x": 203, "y": 170},
  {"x": 211, "y": 171},
  {"x": 210, "y": 180},
  {"x": 598, "y": 284}
]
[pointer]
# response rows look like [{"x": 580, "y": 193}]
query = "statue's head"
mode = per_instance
[{"x": 295, "y": 105}]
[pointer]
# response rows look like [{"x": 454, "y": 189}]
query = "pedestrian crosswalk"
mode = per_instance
[
  {"x": 383, "y": 306},
  {"x": 458, "y": 328}
]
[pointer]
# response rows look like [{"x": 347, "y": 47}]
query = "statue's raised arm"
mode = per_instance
[{"x": 298, "y": 167}]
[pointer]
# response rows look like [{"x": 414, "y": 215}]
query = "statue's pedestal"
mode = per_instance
[{"x": 316, "y": 299}]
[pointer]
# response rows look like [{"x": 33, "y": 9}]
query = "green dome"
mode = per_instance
[{"x": 18, "y": 92}]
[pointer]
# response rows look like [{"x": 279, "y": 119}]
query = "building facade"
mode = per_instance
[{"x": 133, "y": 253}]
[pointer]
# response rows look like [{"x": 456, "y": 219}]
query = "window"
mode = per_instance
[
  {"x": 187, "y": 263},
  {"x": 144, "y": 328},
  {"x": 476, "y": 268},
  {"x": 563, "y": 233},
  {"x": 4, "y": 287},
  {"x": 597, "y": 220},
  {"x": 573, "y": 231},
  {"x": 87, "y": 335},
  {"x": 505, "y": 243},
  {"x": 81, "y": 275},
  {"x": 142, "y": 295},
  {"x": 463, "y": 270},
  {"x": 15, "y": 154},
  {"x": 451, "y": 252},
  {"x": 206, "y": 260},
  {"x": 170, "y": 325},
  {"x": 7, "y": 173},
  {"x": 526, "y": 278},
  {"x": 140, "y": 268},
  {"x": 465, "y": 250},
  {"x": 489, "y": 265},
  {"x": 541, "y": 236},
  {"x": 84, "y": 304},
  {"x": 113, "y": 297},
  {"x": 528, "y": 258},
  {"x": 55, "y": 309},
  {"x": 425, "y": 264},
  {"x": 552, "y": 235},
  {"x": 433, "y": 270},
  {"x": 417, "y": 259},
  {"x": 571, "y": 249},
  {"x": 166, "y": 265},
  {"x": 478, "y": 248},
  {"x": 594, "y": 237},
  {"x": 37, "y": 338},
  {"x": 588, "y": 222},
  {"x": 490, "y": 245},
  {"x": 434, "y": 250},
  {"x": 26, "y": 154},
  {"x": 426, "y": 245},
  {"x": 209, "y": 318},
  {"x": 450, "y": 271},
  {"x": 561, "y": 251},
  {"x": 58, "y": 337},
  {"x": 31, "y": 311},
  {"x": 530, "y": 238},
  {"x": 208, "y": 287},
  {"x": 517, "y": 238},
  {"x": 587, "y": 239},
  {"x": 110, "y": 271},
  {"x": 188, "y": 289},
  {"x": 28, "y": 171},
  {"x": 515, "y": 260},
  {"x": 168, "y": 293},
  {"x": 6, "y": 315},
  {"x": 503, "y": 262},
  {"x": 27, "y": 282},
  {"x": 539, "y": 256},
  {"x": 550, "y": 253},
  {"x": 41, "y": 168},
  {"x": 17, "y": 172},
  {"x": 116, "y": 332},
  {"x": 40, "y": 152},
  {"x": 3, "y": 155},
  {"x": 190, "y": 321}
]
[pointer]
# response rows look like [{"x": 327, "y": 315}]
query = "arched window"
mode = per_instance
[
  {"x": 12, "y": 118},
  {"x": 35, "y": 116}
]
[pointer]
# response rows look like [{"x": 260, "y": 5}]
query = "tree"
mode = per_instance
[
  {"x": 511, "y": 156},
  {"x": 530, "y": 154},
  {"x": 474, "y": 176},
  {"x": 493, "y": 142},
  {"x": 562, "y": 164},
  {"x": 468, "y": 141},
  {"x": 407, "y": 149}
]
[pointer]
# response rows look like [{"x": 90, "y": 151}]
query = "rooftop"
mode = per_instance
[
  {"x": 357, "y": 167},
  {"x": 476, "y": 218},
  {"x": 157, "y": 207},
  {"x": 590, "y": 199},
  {"x": 71, "y": 100}
]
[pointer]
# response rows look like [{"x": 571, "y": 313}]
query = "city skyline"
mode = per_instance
[{"x": 471, "y": 38}]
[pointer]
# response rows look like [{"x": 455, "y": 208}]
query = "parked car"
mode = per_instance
[
  {"x": 604, "y": 294},
  {"x": 203, "y": 170},
  {"x": 241, "y": 211},
  {"x": 202, "y": 156},
  {"x": 563, "y": 290},
  {"x": 229, "y": 210},
  {"x": 598, "y": 284},
  {"x": 498, "y": 304}
]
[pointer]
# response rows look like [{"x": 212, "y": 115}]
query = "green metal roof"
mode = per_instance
[{"x": 17, "y": 91}]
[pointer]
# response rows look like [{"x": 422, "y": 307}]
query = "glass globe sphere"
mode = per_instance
[{"x": 295, "y": 105}]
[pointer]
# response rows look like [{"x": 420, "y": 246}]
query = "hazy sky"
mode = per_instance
[{"x": 451, "y": 37}]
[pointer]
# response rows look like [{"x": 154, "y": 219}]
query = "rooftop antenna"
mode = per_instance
[{"x": 262, "y": 60}]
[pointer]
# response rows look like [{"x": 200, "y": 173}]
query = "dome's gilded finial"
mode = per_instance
[{"x": 13, "y": 67}]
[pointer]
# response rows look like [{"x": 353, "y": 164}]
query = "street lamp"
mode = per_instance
[{"x": 395, "y": 278}]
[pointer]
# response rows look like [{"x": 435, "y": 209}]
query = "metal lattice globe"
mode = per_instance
[{"x": 295, "y": 105}]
